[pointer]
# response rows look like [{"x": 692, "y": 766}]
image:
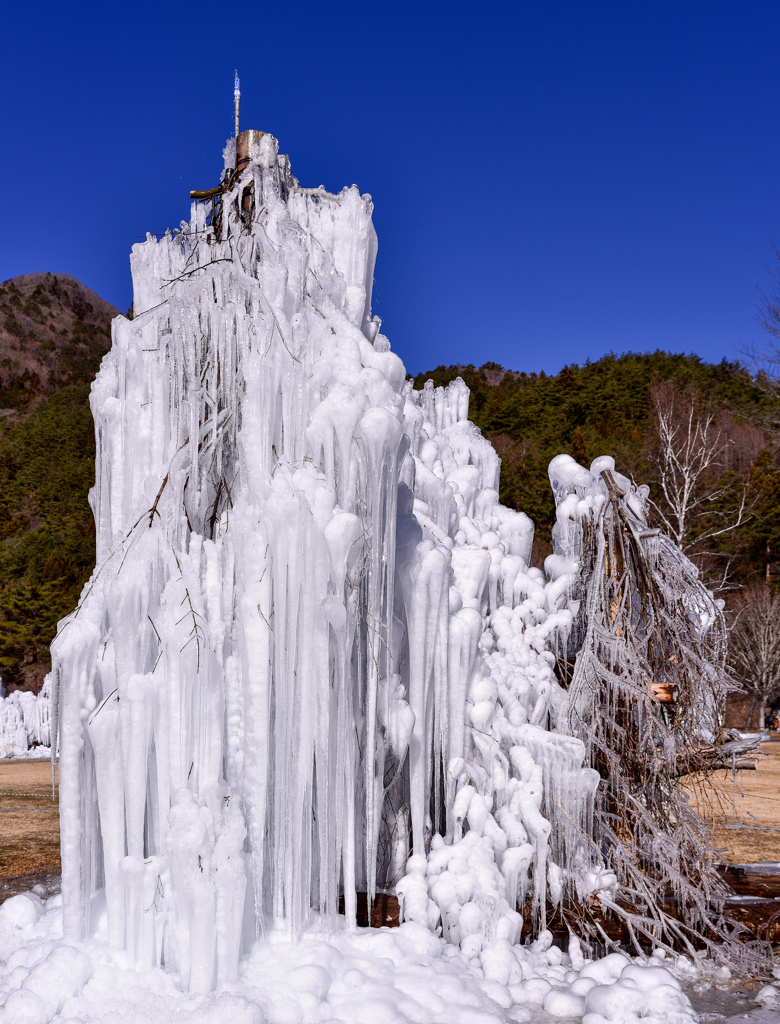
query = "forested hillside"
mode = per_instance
[
  {"x": 608, "y": 407},
  {"x": 54, "y": 332}
]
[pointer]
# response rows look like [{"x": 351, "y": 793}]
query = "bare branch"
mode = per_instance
[
  {"x": 699, "y": 500},
  {"x": 754, "y": 645}
]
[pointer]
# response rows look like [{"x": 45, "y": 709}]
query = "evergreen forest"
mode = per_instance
[
  {"x": 53, "y": 334},
  {"x": 610, "y": 407}
]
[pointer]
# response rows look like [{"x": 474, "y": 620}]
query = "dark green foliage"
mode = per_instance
[
  {"x": 578, "y": 451},
  {"x": 56, "y": 332},
  {"x": 762, "y": 533},
  {"x": 606, "y": 408},
  {"x": 47, "y": 534}
]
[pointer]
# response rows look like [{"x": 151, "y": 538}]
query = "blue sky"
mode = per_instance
[{"x": 552, "y": 181}]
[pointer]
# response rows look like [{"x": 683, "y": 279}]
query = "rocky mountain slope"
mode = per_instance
[{"x": 53, "y": 332}]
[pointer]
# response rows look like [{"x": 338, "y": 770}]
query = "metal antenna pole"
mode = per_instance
[{"x": 237, "y": 102}]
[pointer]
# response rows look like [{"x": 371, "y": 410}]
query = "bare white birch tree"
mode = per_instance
[
  {"x": 698, "y": 505},
  {"x": 754, "y": 647}
]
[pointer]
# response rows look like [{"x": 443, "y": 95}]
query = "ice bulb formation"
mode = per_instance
[{"x": 312, "y": 659}]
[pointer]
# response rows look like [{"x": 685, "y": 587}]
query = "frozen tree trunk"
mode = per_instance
[
  {"x": 313, "y": 660},
  {"x": 301, "y": 655},
  {"x": 751, "y": 709},
  {"x": 644, "y": 696}
]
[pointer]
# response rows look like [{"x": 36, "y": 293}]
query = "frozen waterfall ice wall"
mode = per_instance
[{"x": 312, "y": 642}]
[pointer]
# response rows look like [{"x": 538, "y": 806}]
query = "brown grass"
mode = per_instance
[
  {"x": 30, "y": 835},
  {"x": 753, "y": 799},
  {"x": 29, "y": 824}
]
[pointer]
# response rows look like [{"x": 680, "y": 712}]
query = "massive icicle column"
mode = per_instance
[{"x": 312, "y": 644}]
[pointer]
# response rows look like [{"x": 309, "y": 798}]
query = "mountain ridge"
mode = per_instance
[{"x": 52, "y": 330}]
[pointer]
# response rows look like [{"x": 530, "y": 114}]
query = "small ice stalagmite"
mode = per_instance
[{"x": 312, "y": 645}]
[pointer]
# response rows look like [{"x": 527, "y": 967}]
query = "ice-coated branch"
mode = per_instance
[{"x": 649, "y": 677}]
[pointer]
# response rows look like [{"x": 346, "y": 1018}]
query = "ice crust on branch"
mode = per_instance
[
  {"x": 312, "y": 659},
  {"x": 645, "y": 674}
]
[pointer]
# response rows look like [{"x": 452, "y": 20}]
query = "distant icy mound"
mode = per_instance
[
  {"x": 25, "y": 723},
  {"x": 312, "y": 661}
]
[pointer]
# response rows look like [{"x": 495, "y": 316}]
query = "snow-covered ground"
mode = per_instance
[
  {"x": 367, "y": 976},
  {"x": 377, "y": 976}
]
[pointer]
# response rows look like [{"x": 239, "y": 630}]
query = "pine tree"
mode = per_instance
[{"x": 578, "y": 450}]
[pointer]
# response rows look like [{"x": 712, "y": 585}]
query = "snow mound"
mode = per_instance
[{"x": 352, "y": 977}]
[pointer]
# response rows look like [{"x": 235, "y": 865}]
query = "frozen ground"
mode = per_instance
[
  {"x": 380, "y": 976},
  {"x": 746, "y": 816},
  {"x": 417, "y": 978},
  {"x": 31, "y": 754}
]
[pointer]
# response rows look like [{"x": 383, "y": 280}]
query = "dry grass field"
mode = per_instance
[
  {"x": 751, "y": 801},
  {"x": 29, "y": 824},
  {"x": 29, "y": 821}
]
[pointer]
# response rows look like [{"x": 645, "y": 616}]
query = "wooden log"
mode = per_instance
[
  {"x": 755, "y": 905},
  {"x": 761, "y": 916},
  {"x": 710, "y": 759},
  {"x": 384, "y": 910},
  {"x": 664, "y": 692},
  {"x": 752, "y": 879}
]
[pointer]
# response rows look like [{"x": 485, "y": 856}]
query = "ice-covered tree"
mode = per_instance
[
  {"x": 313, "y": 660},
  {"x": 645, "y": 671},
  {"x": 312, "y": 645},
  {"x": 754, "y": 647}
]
